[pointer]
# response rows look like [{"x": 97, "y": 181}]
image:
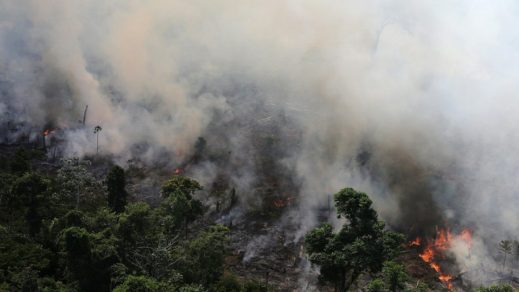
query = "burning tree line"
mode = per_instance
[
  {"x": 65, "y": 230},
  {"x": 364, "y": 246},
  {"x": 51, "y": 138}
]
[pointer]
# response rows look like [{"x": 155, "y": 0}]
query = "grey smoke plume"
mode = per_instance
[{"x": 413, "y": 103}]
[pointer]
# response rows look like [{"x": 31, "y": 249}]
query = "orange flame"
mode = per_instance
[
  {"x": 435, "y": 249},
  {"x": 466, "y": 236},
  {"x": 427, "y": 255},
  {"x": 416, "y": 242}
]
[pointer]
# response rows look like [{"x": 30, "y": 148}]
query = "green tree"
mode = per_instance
[
  {"x": 394, "y": 275},
  {"x": 145, "y": 246},
  {"x": 138, "y": 284},
  {"x": 116, "y": 182},
  {"x": 361, "y": 245},
  {"x": 179, "y": 205},
  {"x": 376, "y": 285},
  {"x": 21, "y": 259},
  {"x": 77, "y": 246},
  {"x": 254, "y": 286},
  {"x": 227, "y": 283},
  {"x": 135, "y": 222},
  {"x": 420, "y": 287},
  {"x": 90, "y": 257},
  {"x": 29, "y": 194},
  {"x": 20, "y": 163},
  {"x": 201, "y": 260},
  {"x": 6, "y": 181},
  {"x": 76, "y": 186},
  {"x": 26, "y": 280}
]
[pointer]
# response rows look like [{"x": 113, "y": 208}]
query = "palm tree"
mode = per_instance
[
  {"x": 505, "y": 246},
  {"x": 97, "y": 129}
]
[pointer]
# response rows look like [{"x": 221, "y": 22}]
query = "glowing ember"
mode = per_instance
[
  {"x": 416, "y": 242},
  {"x": 47, "y": 132},
  {"x": 435, "y": 249},
  {"x": 466, "y": 236},
  {"x": 279, "y": 203}
]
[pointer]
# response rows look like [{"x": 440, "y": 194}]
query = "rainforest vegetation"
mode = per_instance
[{"x": 64, "y": 229}]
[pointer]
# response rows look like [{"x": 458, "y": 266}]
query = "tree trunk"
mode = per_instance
[
  {"x": 504, "y": 263},
  {"x": 353, "y": 278},
  {"x": 185, "y": 227},
  {"x": 77, "y": 197},
  {"x": 342, "y": 282},
  {"x": 84, "y": 114}
]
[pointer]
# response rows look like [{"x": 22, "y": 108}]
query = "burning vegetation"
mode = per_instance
[
  {"x": 435, "y": 250},
  {"x": 368, "y": 100}
]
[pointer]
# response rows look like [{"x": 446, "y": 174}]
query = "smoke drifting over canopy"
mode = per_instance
[{"x": 412, "y": 103}]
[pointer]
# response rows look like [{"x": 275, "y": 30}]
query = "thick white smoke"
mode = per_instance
[{"x": 425, "y": 89}]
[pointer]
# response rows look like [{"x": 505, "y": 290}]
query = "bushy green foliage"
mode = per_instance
[
  {"x": 394, "y": 275},
  {"x": 138, "y": 284},
  {"x": 228, "y": 283},
  {"x": 63, "y": 232},
  {"x": 419, "y": 287},
  {"x": 76, "y": 187},
  {"x": 254, "y": 286},
  {"x": 179, "y": 207},
  {"x": 361, "y": 245},
  {"x": 20, "y": 164},
  {"x": 496, "y": 288},
  {"x": 201, "y": 260},
  {"x": 376, "y": 285}
]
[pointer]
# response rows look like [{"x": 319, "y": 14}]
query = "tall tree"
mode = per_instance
[
  {"x": 394, "y": 275},
  {"x": 505, "y": 246},
  {"x": 77, "y": 185},
  {"x": 29, "y": 193},
  {"x": 361, "y": 245},
  {"x": 97, "y": 129},
  {"x": 201, "y": 260},
  {"x": 179, "y": 204},
  {"x": 116, "y": 182}
]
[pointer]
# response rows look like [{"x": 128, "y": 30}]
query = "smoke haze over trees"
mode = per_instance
[{"x": 413, "y": 103}]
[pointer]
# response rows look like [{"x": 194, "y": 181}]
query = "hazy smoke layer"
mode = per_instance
[{"x": 411, "y": 102}]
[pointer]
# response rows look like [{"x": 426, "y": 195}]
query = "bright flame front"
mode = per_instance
[{"x": 435, "y": 249}]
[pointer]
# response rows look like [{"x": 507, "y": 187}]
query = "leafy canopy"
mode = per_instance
[{"x": 362, "y": 244}]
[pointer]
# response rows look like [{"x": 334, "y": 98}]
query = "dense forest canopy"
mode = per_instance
[{"x": 64, "y": 229}]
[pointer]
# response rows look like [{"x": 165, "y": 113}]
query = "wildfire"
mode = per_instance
[
  {"x": 179, "y": 171},
  {"x": 435, "y": 249}
]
